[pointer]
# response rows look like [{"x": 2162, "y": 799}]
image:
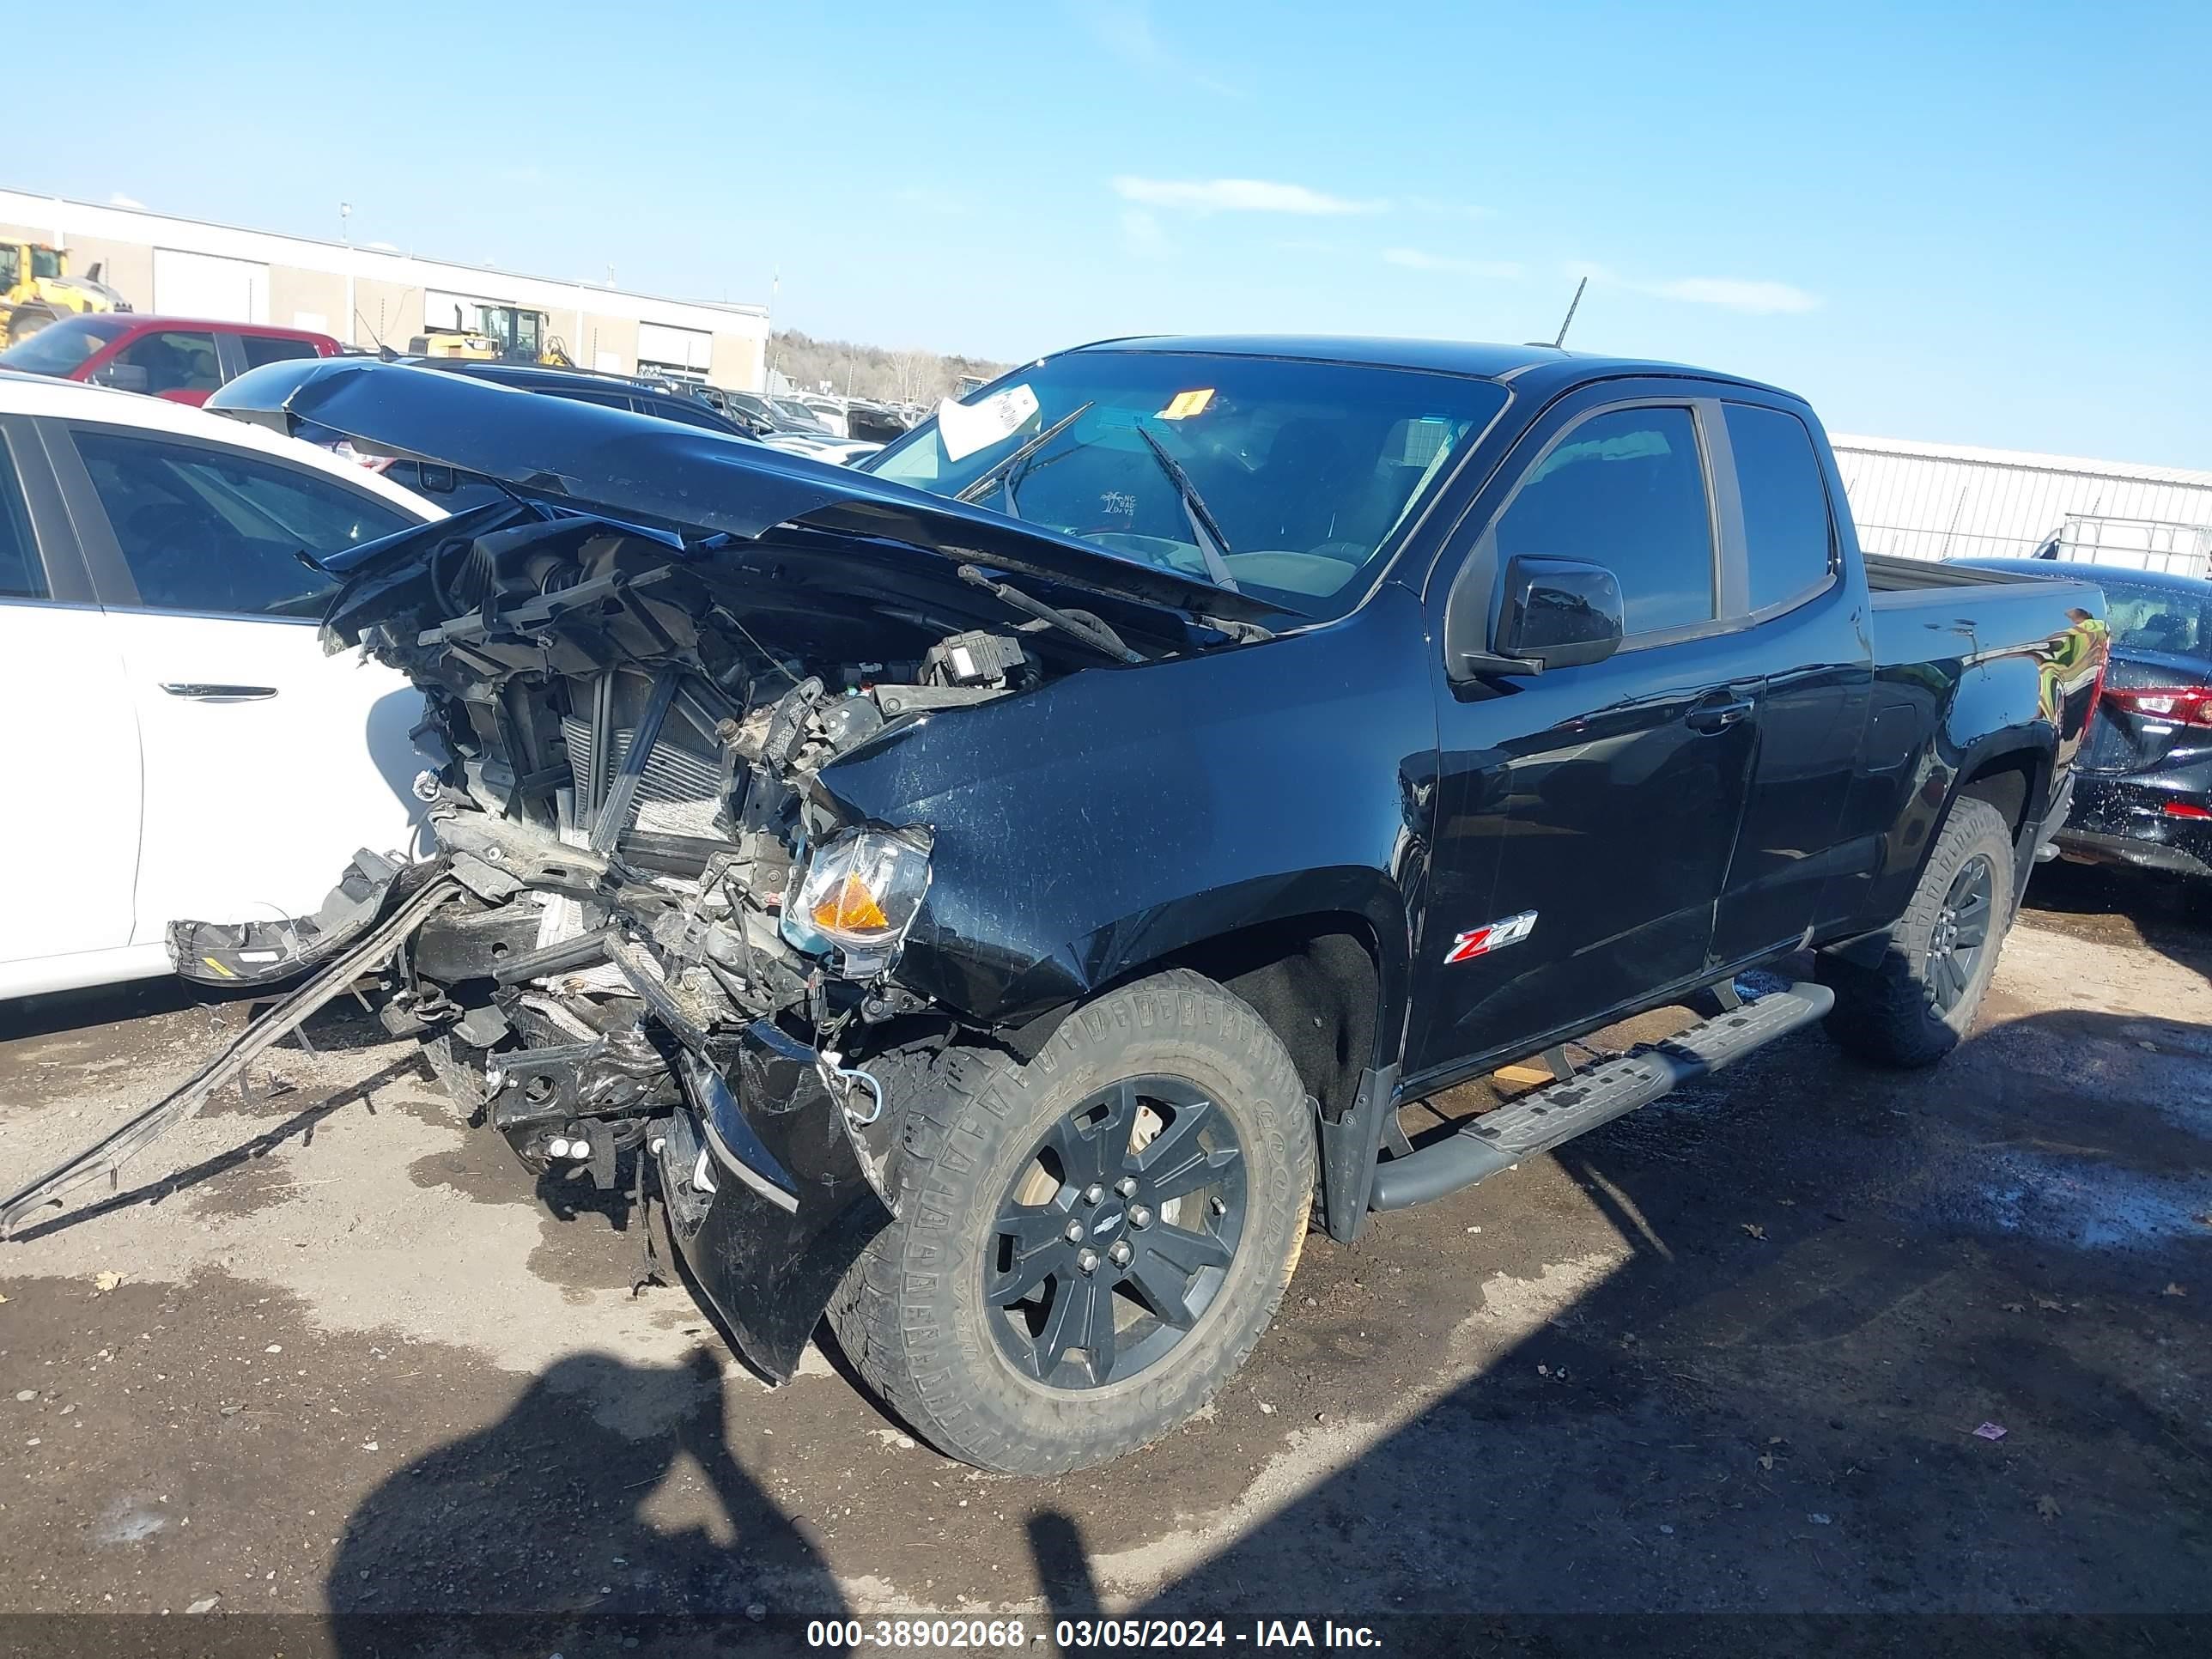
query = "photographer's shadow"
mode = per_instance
[{"x": 544, "y": 1515}]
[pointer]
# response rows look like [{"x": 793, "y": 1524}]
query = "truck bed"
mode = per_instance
[{"x": 1924, "y": 611}]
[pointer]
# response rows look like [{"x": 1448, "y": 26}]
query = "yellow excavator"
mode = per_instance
[
  {"x": 36, "y": 289},
  {"x": 500, "y": 334}
]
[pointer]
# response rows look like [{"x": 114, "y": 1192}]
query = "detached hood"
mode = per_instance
[{"x": 633, "y": 467}]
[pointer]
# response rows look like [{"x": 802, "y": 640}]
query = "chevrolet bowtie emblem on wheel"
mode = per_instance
[{"x": 1492, "y": 936}]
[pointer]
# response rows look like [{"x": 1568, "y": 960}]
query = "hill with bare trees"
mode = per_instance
[{"x": 847, "y": 370}]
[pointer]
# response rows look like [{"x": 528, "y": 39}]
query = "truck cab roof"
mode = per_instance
[{"x": 1548, "y": 368}]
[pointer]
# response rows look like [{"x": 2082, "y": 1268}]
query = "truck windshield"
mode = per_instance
[
  {"x": 60, "y": 347},
  {"x": 1305, "y": 469}
]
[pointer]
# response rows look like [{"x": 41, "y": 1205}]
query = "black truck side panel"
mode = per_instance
[
  {"x": 1121, "y": 815},
  {"x": 1966, "y": 682}
]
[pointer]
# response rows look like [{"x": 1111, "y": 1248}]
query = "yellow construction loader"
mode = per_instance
[
  {"x": 506, "y": 334},
  {"x": 36, "y": 288}
]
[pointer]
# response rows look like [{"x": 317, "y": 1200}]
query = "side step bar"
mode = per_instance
[{"x": 1542, "y": 1118}]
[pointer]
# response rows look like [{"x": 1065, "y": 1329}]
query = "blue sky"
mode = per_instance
[{"x": 1974, "y": 223}]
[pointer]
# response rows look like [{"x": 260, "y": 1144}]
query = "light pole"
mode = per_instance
[{"x": 345, "y": 235}]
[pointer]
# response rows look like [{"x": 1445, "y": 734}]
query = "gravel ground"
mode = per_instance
[{"x": 325, "y": 1362}]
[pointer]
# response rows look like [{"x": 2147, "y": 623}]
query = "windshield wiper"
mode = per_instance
[
  {"x": 984, "y": 482},
  {"x": 1212, "y": 543}
]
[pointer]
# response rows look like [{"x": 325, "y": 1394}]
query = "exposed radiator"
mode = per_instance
[{"x": 676, "y": 794}]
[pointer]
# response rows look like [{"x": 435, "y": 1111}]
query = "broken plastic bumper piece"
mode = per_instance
[
  {"x": 257, "y": 952},
  {"x": 771, "y": 1194}
]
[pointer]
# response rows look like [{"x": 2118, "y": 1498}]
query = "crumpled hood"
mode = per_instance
[{"x": 637, "y": 468}]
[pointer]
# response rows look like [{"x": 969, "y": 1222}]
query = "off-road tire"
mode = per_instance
[
  {"x": 910, "y": 1314},
  {"x": 28, "y": 320},
  {"x": 1887, "y": 1014}
]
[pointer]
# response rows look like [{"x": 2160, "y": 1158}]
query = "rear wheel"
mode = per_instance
[
  {"x": 1088, "y": 1246},
  {"x": 1912, "y": 1007}
]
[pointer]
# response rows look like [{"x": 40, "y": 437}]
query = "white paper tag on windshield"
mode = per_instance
[{"x": 964, "y": 428}]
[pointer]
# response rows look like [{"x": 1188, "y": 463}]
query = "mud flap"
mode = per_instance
[{"x": 770, "y": 1197}]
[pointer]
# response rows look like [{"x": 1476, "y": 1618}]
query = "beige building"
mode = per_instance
[{"x": 368, "y": 296}]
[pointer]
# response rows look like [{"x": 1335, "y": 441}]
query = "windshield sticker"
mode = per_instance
[
  {"x": 1184, "y": 405},
  {"x": 964, "y": 428}
]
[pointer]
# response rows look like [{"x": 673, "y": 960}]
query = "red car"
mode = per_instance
[{"x": 172, "y": 357}]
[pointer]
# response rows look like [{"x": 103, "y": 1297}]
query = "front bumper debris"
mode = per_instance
[
  {"x": 417, "y": 891},
  {"x": 257, "y": 952},
  {"x": 772, "y": 1193}
]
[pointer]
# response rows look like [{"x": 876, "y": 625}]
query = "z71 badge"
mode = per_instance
[{"x": 1493, "y": 936}]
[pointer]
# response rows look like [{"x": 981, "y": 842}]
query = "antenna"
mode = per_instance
[{"x": 1573, "y": 305}]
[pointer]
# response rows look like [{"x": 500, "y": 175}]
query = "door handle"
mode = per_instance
[
  {"x": 1719, "y": 716},
  {"x": 199, "y": 693}
]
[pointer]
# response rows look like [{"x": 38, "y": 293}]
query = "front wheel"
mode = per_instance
[
  {"x": 1912, "y": 1007},
  {"x": 28, "y": 320},
  {"x": 1088, "y": 1246}
]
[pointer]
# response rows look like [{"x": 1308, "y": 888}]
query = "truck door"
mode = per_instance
[
  {"x": 1811, "y": 629},
  {"x": 1587, "y": 815}
]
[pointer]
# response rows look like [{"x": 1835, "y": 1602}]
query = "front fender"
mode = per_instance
[{"x": 1120, "y": 815}]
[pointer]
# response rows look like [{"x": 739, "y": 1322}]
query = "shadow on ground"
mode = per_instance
[{"x": 1767, "y": 1407}]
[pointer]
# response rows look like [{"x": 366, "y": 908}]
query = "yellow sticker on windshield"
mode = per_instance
[{"x": 1184, "y": 405}]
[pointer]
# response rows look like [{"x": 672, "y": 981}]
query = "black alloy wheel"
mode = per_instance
[
  {"x": 1114, "y": 1236},
  {"x": 1961, "y": 932}
]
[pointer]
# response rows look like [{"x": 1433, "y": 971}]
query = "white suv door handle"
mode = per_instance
[{"x": 217, "y": 693}]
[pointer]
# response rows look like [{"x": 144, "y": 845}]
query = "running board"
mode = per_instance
[{"x": 1543, "y": 1118}]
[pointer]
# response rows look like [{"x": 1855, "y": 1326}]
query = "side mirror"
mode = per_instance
[
  {"x": 1559, "y": 613},
  {"x": 1554, "y": 613},
  {"x": 123, "y": 377}
]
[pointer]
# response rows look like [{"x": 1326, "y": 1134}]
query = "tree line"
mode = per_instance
[{"x": 849, "y": 370}]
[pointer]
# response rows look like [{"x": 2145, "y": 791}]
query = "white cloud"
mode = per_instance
[
  {"x": 1412, "y": 258},
  {"x": 1755, "y": 297},
  {"x": 1760, "y": 298},
  {"x": 932, "y": 198},
  {"x": 1124, "y": 28},
  {"x": 1235, "y": 196},
  {"x": 122, "y": 201},
  {"x": 1141, "y": 233},
  {"x": 1437, "y": 210}
]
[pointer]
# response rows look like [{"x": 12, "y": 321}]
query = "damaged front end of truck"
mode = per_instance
[{"x": 657, "y": 947}]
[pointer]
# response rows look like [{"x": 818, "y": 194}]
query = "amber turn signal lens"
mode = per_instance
[{"x": 850, "y": 907}]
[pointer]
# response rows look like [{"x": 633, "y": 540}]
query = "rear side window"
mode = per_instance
[
  {"x": 266, "y": 349},
  {"x": 174, "y": 359},
  {"x": 1626, "y": 489},
  {"x": 22, "y": 575},
  {"x": 209, "y": 529},
  {"x": 1786, "y": 503},
  {"x": 2148, "y": 618}
]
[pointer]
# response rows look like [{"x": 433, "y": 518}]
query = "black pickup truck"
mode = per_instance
[{"x": 989, "y": 899}]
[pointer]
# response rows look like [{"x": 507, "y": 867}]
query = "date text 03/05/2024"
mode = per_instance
[{"x": 1084, "y": 1635}]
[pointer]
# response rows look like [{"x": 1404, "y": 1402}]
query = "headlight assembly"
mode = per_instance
[{"x": 860, "y": 890}]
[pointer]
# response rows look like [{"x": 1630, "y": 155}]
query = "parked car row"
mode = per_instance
[{"x": 183, "y": 360}]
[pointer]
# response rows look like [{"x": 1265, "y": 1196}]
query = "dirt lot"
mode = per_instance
[{"x": 1728, "y": 1356}]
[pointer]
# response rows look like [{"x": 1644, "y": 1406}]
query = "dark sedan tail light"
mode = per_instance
[{"x": 2184, "y": 705}]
